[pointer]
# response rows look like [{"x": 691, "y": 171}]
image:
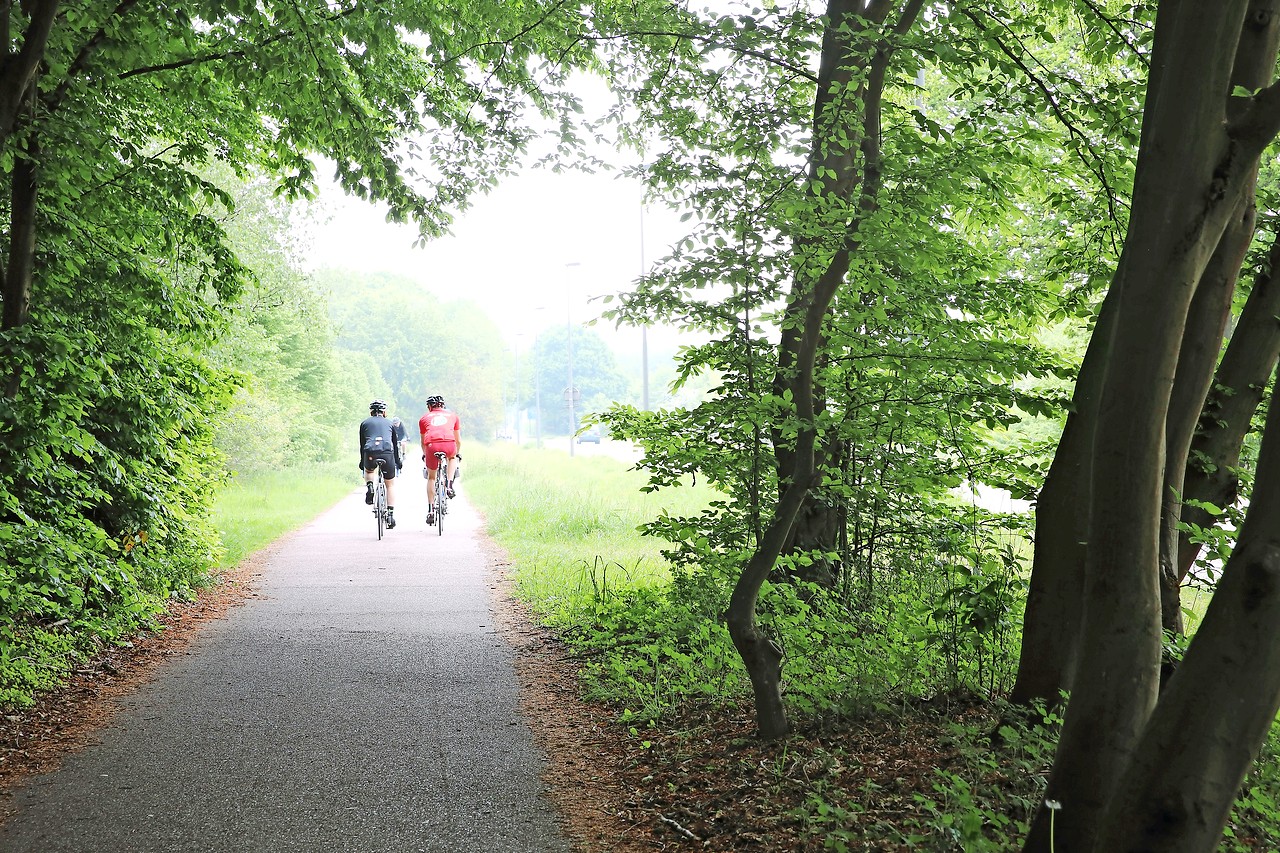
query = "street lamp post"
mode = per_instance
[
  {"x": 537, "y": 398},
  {"x": 568, "y": 317},
  {"x": 517, "y": 384},
  {"x": 644, "y": 330},
  {"x": 537, "y": 380}
]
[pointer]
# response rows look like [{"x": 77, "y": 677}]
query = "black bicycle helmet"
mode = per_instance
[
  {"x": 377, "y": 406},
  {"x": 435, "y": 401}
]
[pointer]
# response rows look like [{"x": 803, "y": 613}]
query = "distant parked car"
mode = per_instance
[
  {"x": 591, "y": 436},
  {"x": 506, "y": 435}
]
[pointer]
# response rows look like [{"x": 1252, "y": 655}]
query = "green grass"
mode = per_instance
[
  {"x": 570, "y": 524},
  {"x": 253, "y": 511}
]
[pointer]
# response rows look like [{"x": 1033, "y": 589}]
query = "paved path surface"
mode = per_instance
[{"x": 364, "y": 703}]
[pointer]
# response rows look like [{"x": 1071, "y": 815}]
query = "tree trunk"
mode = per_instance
[
  {"x": 1211, "y": 720},
  {"x": 1187, "y": 182},
  {"x": 847, "y": 55},
  {"x": 1051, "y": 622},
  {"x": 1247, "y": 364},
  {"x": 760, "y": 655},
  {"x": 1201, "y": 342},
  {"x": 19, "y": 71},
  {"x": 819, "y": 524},
  {"x": 22, "y": 241},
  {"x": 22, "y": 250}
]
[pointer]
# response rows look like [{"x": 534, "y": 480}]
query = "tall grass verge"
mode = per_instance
[
  {"x": 570, "y": 528},
  {"x": 570, "y": 524},
  {"x": 254, "y": 510}
]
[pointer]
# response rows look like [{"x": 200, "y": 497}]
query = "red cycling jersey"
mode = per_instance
[
  {"x": 438, "y": 425},
  {"x": 438, "y": 428}
]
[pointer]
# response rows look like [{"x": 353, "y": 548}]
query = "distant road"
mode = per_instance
[
  {"x": 363, "y": 703},
  {"x": 623, "y": 451}
]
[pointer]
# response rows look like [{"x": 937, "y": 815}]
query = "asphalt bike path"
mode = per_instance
[{"x": 363, "y": 702}]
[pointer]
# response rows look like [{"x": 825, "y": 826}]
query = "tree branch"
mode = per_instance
[
  {"x": 236, "y": 53},
  {"x": 19, "y": 71},
  {"x": 711, "y": 41},
  {"x": 1096, "y": 165},
  {"x": 1259, "y": 119},
  {"x": 1118, "y": 31}
]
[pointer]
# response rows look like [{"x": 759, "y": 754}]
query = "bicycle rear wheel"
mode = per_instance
[
  {"x": 380, "y": 504},
  {"x": 442, "y": 503}
]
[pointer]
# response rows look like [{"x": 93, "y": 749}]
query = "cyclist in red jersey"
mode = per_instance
[{"x": 440, "y": 429}]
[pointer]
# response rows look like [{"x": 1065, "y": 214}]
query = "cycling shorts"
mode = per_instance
[
  {"x": 448, "y": 448},
  {"x": 383, "y": 459}
]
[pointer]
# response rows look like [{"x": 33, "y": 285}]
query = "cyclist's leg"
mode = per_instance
[
  {"x": 433, "y": 470},
  {"x": 389, "y": 475},
  {"x": 432, "y": 464},
  {"x": 368, "y": 479},
  {"x": 386, "y": 463}
]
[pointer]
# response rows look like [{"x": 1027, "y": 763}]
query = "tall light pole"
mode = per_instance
[
  {"x": 568, "y": 318},
  {"x": 537, "y": 397},
  {"x": 644, "y": 330},
  {"x": 517, "y": 384},
  {"x": 537, "y": 382}
]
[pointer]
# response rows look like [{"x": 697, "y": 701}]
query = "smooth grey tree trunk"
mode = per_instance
[
  {"x": 1184, "y": 194},
  {"x": 1179, "y": 788},
  {"x": 1051, "y": 621},
  {"x": 1242, "y": 376},
  {"x": 1201, "y": 342}
]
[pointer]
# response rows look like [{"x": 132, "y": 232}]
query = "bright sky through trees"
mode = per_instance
[{"x": 509, "y": 252}]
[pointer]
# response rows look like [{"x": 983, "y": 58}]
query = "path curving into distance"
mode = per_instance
[{"x": 363, "y": 702}]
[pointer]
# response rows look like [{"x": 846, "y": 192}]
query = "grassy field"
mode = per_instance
[
  {"x": 570, "y": 524},
  {"x": 252, "y": 512}
]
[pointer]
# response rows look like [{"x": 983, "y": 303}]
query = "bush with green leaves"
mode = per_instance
[{"x": 105, "y": 483}]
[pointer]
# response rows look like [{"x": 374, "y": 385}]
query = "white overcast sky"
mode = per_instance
[{"x": 509, "y": 253}]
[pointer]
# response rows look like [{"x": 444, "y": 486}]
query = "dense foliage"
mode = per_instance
[
  {"x": 119, "y": 351},
  {"x": 936, "y": 345}
]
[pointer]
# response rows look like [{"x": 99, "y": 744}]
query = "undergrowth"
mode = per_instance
[
  {"x": 78, "y": 605},
  {"x": 650, "y": 638}
]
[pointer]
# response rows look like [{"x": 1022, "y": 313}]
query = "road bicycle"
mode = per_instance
[
  {"x": 441, "y": 505},
  {"x": 380, "y": 500}
]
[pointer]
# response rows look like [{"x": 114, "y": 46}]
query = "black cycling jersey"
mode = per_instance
[{"x": 377, "y": 436}]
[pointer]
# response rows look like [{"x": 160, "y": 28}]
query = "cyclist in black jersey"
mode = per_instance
[{"x": 379, "y": 449}]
